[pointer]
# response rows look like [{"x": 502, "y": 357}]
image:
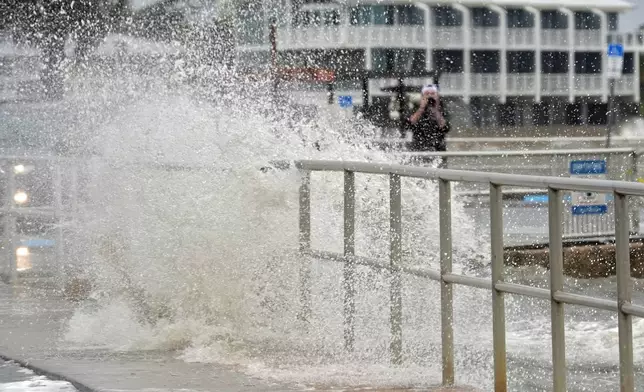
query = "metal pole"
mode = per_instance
[
  {"x": 365, "y": 94},
  {"x": 10, "y": 240},
  {"x": 305, "y": 246},
  {"x": 635, "y": 205},
  {"x": 400, "y": 97},
  {"x": 498, "y": 304},
  {"x": 272, "y": 37},
  {"x": 349, "y": 263},
  {"x": 447, "y": 330},
  {"x": 395, "y": 259},
  {"x": 610, "y": 116},
  {"x": 624, "y": 291},
  {"x": 555, "y": 202}
]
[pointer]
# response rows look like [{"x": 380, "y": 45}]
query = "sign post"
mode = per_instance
[
  {"x": 589, "y": 203},
  {"x": 615, "y": 64}
]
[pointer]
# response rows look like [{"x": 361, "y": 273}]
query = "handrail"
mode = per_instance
[
  {"x": 556, "y": 294},
  {"x": 542, "y": 139},
  {"x": 558, "y": 183},
  {"x": 524, "y": 153},
  {"x": 469, "y": 153}
]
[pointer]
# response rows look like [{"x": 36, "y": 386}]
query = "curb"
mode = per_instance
[{"x": 42, "y": 371}]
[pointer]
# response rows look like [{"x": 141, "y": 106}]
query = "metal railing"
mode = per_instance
[
  {"x": 622, "y": 164},
  {"x": 496, "y": 181}
]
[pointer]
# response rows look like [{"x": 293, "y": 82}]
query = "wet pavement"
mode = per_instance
[{"x": 32, "y": 321}]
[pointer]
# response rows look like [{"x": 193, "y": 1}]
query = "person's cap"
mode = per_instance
[{"x": 429, "y": 88}]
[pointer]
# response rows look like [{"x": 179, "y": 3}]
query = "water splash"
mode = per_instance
[{"x": 203, "y": 259}]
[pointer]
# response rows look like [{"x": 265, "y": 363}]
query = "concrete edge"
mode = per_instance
[{"x": 43, "y": 371}]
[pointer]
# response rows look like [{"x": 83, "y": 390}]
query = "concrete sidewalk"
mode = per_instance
[{"x": 31, "y": 325}]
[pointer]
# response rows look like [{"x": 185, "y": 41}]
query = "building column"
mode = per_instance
[
  {"x": 604, "y": 33},
  {"x": 537, "y": 54},
  {"x": 289, "y": 17},
  {"x": 571, "y": 51},
  {"x": 503, "y": 53},
  {"x": 584, "y": 111},
  {"x": 636, "y": 75},
  {"x": 345, "y": 22},
  {"x": 429, "y": 45},
  {"x": 467, "y": 50},
  {"x": 265, "y": 22}
]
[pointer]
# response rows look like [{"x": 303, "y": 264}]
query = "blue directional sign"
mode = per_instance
[
  {"x": 38, "y": 243},
  {"x": 588, "y": 203},
  {"x": 615, "y": 50},
  {"x": 588, "y": 167},
  {"x": 615, "y": 63},
  {"x": 345, "y": 101},
  {"x": 598, "y": 209}
]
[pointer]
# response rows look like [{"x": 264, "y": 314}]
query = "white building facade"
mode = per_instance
[{"x": 512, "y": 62}]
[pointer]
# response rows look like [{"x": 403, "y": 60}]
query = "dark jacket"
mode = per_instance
[{"x": 427, "y": 136}]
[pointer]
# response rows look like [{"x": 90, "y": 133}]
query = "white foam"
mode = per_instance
[{"x": 37, "y": 384}]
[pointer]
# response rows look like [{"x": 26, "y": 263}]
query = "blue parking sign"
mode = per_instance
[
  {"x": 615, "y": 50},
  {"x": 345, "y": 101}
]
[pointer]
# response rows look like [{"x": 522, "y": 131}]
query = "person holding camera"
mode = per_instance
[{"x": 430, "y": 125}]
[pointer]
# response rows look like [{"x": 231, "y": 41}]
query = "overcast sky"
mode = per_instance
[{"x": 631, "y": 20}]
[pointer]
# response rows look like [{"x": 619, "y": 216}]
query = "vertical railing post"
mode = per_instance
[
  {"x": 555, "y": 202},
  {"x": 305, "y": 245},
  {"x": 10, "y": 240},
  {"x": 58, "y": 208},
  {"x": 447, "y": 330},
  {"x": 395, "y": 258},
  {"x": 498, "y": 304},
  {"x": 624, "y": 291},
  {"x": 635, "y": 207},
  {"x": 349, "y": 263}
]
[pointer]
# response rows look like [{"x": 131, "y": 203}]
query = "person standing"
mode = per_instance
[{"x": 430, "y": 125}]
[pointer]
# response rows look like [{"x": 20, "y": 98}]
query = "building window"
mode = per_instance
[
  {"x": 484, "y": 17},
  {"x": 383, "y": 14},
  {"x": 588, "y": 62},
  {"x": 332, "y": 17},
  {"x": 554, "y": 62},
  {"x": 613, "y": 21},
  {"x": 361, "y": 15},
  {"x": 520, "y": 18},
  {"x": 521, "y": 62},
  {"x": 449, "y": 61},
  {"x": 629, "y": 63},
  {"x": 410, "y": 15},
  {"x": 587, "y": 21},
  {"x": 485, "y": 61},
  {"x": 447, "y": 16},
  {"x": 553, "y": 20},
  {"x": 398, "y": 60},
  {"x": 320, "y": 17},
  {"x": 253, "y": 61},
  {"x": 251, "y": 29}
]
